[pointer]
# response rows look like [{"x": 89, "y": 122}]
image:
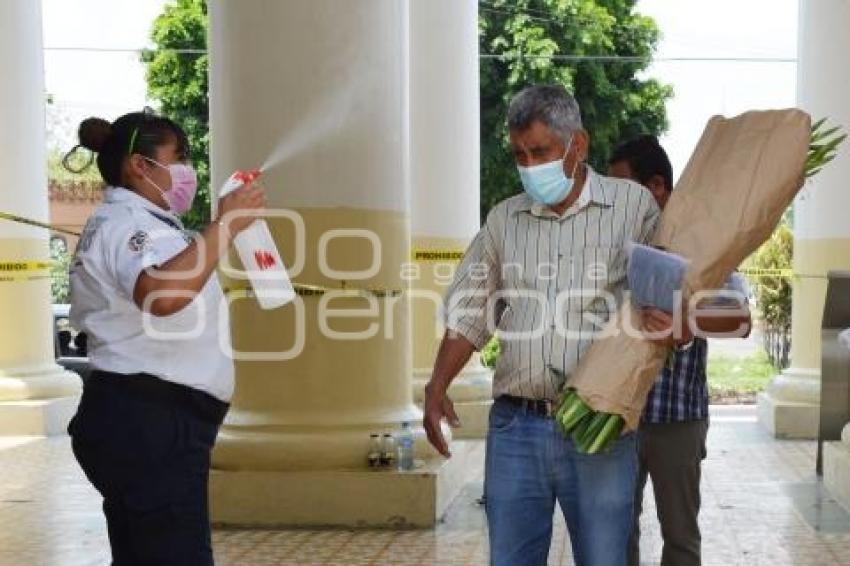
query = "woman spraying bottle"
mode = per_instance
[{"x": 147, "y": 296}]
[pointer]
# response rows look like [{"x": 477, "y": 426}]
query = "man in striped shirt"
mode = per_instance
[
  {"x": 546, "y": 270},
  {"x": 674, "y": 426}
]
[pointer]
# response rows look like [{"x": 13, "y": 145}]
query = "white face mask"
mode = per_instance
[{"x": 547, "y": 183}]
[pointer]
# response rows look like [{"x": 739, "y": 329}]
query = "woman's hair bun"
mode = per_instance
[{"x": 93, "y": 133}]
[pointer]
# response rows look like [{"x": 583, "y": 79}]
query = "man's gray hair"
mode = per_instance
[{"x": 551, "y": 105}]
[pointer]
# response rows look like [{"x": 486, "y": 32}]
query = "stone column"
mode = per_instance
[
  {"x": 37, "y": 396},
  {"x": 790, "y": 407},
  {"x": 445, "y": 180},
  {"x": 323, "y": 90}
]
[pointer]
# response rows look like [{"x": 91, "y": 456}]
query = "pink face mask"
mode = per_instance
[{"x": 184, "y": 185}]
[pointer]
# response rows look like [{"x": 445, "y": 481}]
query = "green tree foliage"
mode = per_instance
[
  {"x": 525, "y": 42},
  {"x": 773, "y": 294},
  {"x": 179, "y": 82},
  {"x": 60, "y": 284}
]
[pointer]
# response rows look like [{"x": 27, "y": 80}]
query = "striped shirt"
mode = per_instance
[{"x": 547, "y": 283}]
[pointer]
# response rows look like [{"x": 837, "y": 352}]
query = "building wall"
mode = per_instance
[{"x": 71, "y": 204}]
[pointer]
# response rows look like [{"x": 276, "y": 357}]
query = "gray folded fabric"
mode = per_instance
[{"x": 654, "y": 276}]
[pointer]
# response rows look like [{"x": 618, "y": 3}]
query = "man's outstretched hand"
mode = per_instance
[
  {"x": 455, "y": 350},
  {"x": 438, "y": 406}
]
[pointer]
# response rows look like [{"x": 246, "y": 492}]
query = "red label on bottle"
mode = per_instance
[{"x": 265, "y": 260}]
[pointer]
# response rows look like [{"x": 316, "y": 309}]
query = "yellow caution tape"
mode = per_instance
[
  {"x": 24, "y": 270},
  {"x": 755, "y": 272},
  {"x": 303, "y": 290},
  {"x": 25, "y": 266},
  {"x": 781, "y": 273},
  {"x": 426, "y": 255}
]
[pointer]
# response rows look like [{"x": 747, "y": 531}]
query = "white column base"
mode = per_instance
[
  {"x": 790, "y": 408},
  {"x": 298, "y": 447},
  {"x": 344, "y": 498},
  {"x": 836, "y": 467},
  {"x": 37, "y": 401},
  {"x": 49, "y": 381},
  {"x": 472, "y": 394},
  {"x": 44, "y": 417}
]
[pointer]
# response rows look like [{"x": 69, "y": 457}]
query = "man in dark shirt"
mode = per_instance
[{"x": 673, "y": 429}]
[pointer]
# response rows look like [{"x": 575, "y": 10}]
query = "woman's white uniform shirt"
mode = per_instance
[{"x": 124, "y": 236}]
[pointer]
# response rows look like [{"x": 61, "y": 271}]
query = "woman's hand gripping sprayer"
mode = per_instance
[{"x": 255, "y": 246}]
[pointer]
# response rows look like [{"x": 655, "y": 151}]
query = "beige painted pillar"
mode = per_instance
[
  {"x": 790, "y": 407},
  {"x": 325, "y": 89},
  {"x": 36, "y": 395},
  {"x": 330, "y": 85},
  {"x": 445, "y": 180}
]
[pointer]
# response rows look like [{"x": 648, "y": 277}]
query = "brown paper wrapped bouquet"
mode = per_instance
[{"x": 742, "y": 176}]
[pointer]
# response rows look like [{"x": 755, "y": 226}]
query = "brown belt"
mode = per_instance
[{"x": 540, "y": 407}]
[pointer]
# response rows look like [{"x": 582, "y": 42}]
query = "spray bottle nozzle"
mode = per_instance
[{"x": 248, "y": 176}]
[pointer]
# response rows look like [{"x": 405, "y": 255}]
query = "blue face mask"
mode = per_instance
[{"x": 547, "y": 183}]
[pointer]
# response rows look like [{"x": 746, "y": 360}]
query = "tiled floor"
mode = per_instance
[{"x": 762, "y": 506}]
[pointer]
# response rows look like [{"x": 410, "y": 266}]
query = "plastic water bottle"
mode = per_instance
[
  {"x": 405, "y": 448},
  {"x": 259, "y": 255},
  {"x": 374, "y": 456}
]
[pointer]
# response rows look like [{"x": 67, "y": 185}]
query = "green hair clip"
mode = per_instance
[{"x": 133, "y": 140}]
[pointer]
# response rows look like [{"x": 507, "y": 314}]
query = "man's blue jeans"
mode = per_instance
[{"x": 530, "y": 464}]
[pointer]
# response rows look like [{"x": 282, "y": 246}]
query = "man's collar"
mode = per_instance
[
  {"x": 592, "y": 192},
  {"x": 597, "y": 191}
]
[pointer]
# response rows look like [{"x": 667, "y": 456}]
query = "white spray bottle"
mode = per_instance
[{"x": 259, "y": 255}]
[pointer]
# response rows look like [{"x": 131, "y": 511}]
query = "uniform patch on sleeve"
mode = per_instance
[
  {"x": 139, "y": 241},
  {"x": 92, "y": 226}
]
